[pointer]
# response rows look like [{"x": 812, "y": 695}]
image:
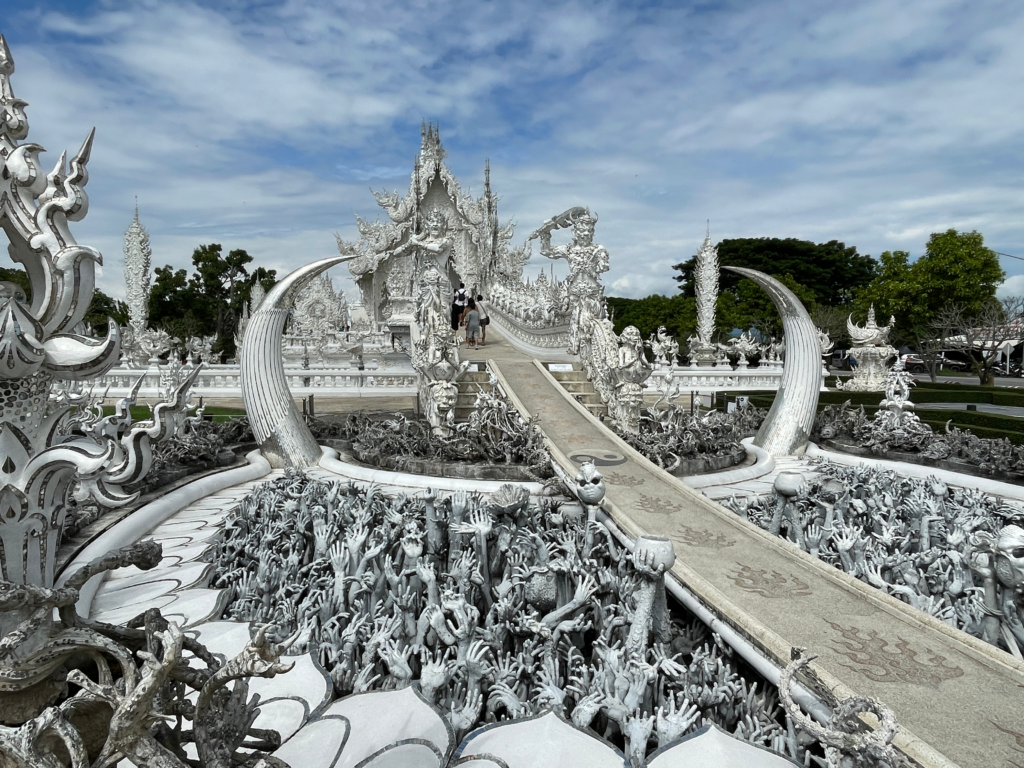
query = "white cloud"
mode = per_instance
[{"x": 259, "y": 126}]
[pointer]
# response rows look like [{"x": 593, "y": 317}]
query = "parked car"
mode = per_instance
[{"x": 914, "y": 363}]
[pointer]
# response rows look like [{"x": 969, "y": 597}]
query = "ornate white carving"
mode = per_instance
[
  {"x": 42, "y": 461},
  {"x": 317, "y": 317},
  {"x": 436, "y": 353},
  {"x": 664, "y": 347},
  {"x": 705, "y": 277},
  {"x": 587, "y": 262},
  {"x": 615, "y": 365},
  {"x": 37, "y": 466},
  {"x": 137, "y": 256},
  {"x": 871, "y": 351},
  {"x": 435, "y": 221},
  {"x": 744, "y": 346}
]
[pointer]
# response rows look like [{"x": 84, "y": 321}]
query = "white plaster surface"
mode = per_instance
[
  {"x": 543, "y": 742},
  {"x": 405, "y": 756},
  {"x": 306, "y": 681},
  {"x": 317, "y": 745},
  {"x": 407, "y": 717},
  {"x": 227, "y": 638},
  {"x": 285, "y": 716},
  {"x": 335, "y": 468},
  {"x": 713, "y": 748}
]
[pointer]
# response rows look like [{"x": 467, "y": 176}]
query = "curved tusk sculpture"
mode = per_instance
[
  {"x": 277, "y": 424},
  {"x": 787, "y": 427}
]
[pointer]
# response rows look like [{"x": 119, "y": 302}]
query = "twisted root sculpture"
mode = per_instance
[
  {"x": 123, "y": 716},
  {"x": 848, "y": 743}
]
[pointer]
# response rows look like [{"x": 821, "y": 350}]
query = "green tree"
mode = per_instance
[
  {"x": 956, "y": 269},
  {"x": 831, "y": 271},
  {"x": 169, "y": 297},
  {"x": 677, "y": 313},
  {"x": 19, "y": 277},
  {"x": 209, "y": 302},
  {"x": 101, "y": 309},
  {"x": 752, "y": 308}
]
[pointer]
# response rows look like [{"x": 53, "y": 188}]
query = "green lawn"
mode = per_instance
[{"x": 988, "y": 425}]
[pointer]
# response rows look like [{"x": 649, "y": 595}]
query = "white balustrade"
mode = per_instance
[{"x": 224, "y": 381}]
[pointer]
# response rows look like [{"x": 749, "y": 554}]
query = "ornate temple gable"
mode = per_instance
[
  {"x": 429, "y": 172},
  {"x": 434, "y": 219}
]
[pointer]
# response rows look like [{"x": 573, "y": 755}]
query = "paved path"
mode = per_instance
[
  {"x": 958, "y": 697},
  {"x": 1001, "y": 410}
]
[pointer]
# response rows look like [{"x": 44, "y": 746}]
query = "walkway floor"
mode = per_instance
[{"x": 957, "y": 699}]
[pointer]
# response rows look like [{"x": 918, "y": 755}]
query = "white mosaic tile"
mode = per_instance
[
  {"x": 317, "y": 745},
  {"x": 305, "y": 681},
  {"x": 193, "y": 606},
  {"x": 135, "y": 595},
  {"x": 186, "y": 574},
  {"x": 285, "y": 716}
]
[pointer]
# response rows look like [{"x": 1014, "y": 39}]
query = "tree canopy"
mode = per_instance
[
  {"x": 677, "y": 313},
  {"x": 955, "y": 269},
  {"x": 831, "y": 273},
  {"x": 210, "y": 301}
]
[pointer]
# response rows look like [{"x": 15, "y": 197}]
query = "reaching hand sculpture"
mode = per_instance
[
  {"x": 505, "y": 610},
  {"x": 956, "y": 555}
]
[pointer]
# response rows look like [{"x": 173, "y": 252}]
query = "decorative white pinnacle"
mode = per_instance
[
  {"x": 705, "y": 276},
  {"x": 137, "y": 256}
]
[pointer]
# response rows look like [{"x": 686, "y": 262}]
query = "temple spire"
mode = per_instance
[{"x": 137, "y": 257}]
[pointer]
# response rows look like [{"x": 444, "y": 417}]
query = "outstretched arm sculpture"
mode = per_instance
[
  {"x": 277, "y": 424},
  {"x": 788, "y": 425}
]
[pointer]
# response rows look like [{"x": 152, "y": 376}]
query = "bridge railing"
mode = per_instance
[{"x": 224, "y": 381}]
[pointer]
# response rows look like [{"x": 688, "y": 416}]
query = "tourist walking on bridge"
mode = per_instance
[
  {"x": 485, "y": 320},
  {"x": 471, "y": 319},
  {"x": 458, "y": 305}
]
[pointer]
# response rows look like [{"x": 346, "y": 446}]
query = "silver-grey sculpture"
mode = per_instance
[
  {"x": 277, "y": 424},
  {"x": 788, "y": 425}
]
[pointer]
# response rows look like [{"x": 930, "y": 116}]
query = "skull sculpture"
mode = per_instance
[{"x": 589, "y": 484}]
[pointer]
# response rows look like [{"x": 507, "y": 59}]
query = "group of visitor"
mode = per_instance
[{"x": 471, "y": 314}]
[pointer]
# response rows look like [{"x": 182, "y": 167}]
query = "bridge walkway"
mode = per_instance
[{"x": 957, "y": 695}]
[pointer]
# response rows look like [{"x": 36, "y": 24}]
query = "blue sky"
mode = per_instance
[{"x": 261, "y": 125}]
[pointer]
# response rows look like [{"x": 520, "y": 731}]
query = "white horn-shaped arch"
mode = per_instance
[
  {"x": 787, "y": 428},
  {"x": 276, "y": 422}
]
